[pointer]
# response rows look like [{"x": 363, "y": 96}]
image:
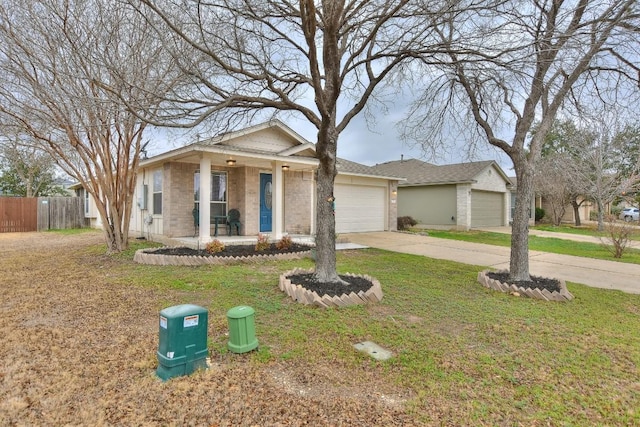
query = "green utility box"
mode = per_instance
[
  {"x": 242, "y": 329},
  {"x": 182, "y": 346}
]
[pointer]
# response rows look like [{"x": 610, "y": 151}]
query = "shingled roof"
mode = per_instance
[
  {"x": 353, "y": 168},
  {"x": 417, "y": 172}
]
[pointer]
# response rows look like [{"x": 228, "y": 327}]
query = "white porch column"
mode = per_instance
[
  {"x": 205, "y": 195},
  {"x": 277, "y": 218}
]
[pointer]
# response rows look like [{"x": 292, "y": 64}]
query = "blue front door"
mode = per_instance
[{"x": 266, "y": 198}]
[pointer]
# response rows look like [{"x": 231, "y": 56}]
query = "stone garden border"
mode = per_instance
[
  {"x": 147, "y": 256},
  {"x": 307, "y": 297},
  {"x": 543, "y": 294}
]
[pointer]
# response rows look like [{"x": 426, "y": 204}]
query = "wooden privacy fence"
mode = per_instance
[
  {"x": 55, "y": 213},
  {"x": 20, "y": 214}
]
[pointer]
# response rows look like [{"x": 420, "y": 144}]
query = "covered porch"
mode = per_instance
[{"x": 265, "y": 174}]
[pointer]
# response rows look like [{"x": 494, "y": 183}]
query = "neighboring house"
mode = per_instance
[
  {"x": 462, "y": 196},
  {"x": 91, "y": 214},
  {"x": 66, "y": 184},
  {"x": 268, "y": 173},
  {"x": 585, "y": 210}
]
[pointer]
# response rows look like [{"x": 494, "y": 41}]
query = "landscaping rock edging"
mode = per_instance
[
  {"x": 307, "y": 297},
  {"x": 147, "y": 256},
  {"x": 563, "y": 295}
]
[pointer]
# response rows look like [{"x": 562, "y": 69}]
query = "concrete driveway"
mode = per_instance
[{"x": 591, "y": 272}]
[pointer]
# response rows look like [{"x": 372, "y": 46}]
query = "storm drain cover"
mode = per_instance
[{"x": 373, "y": 350}]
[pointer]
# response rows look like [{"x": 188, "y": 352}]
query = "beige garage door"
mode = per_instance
[
  {"x": 486, "y": 209},
  {"x": 359, "y": 208}
]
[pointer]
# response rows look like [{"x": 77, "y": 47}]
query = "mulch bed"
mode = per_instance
[
  {"x": 231, "y": 251},
  {"x": 308, "y": 281},
  {"x": 535, "y": 283}
]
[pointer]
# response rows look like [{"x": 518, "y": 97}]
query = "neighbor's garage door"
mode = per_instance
[
  {"x": 486, "y": 209},
  {"x": 359, "y": 208}
]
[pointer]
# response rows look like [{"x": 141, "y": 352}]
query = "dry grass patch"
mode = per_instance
[{"x": 79, "y": 335}]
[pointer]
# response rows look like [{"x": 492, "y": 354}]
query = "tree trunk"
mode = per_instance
[
  {"x": 519, "y": 263},
  {"x": 28, "y": 187},
  {"x": 325, "y": 203},
  {"x": 576, "y": 213},
  {"x": 600, "y": 214},
  {"x": 115, "y": 219}
]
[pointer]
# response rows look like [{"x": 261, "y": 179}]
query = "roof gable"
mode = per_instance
[{"x": 272, "y": 137}]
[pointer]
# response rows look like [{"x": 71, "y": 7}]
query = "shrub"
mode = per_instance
[
  {"x": 405, "y": 222},
  {"x": 615, "y": 211},
  {"x": 539, "y": 214},
  {"x": 284, "y": 243},
  {"x": 617, "y": 237},
  {"x": 263, "y": 242},
  {"x": 214, "y": 247}
]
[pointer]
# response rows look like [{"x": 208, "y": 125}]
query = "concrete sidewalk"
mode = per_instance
[{"x": 591, "y": 272}]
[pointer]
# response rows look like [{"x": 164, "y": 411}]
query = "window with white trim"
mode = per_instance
[
  {"x": 217, "y": 196},
  {"x": 157, "y": 192}
]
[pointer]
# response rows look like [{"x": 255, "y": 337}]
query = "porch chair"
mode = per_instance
[{"x": 233, "y": 220}]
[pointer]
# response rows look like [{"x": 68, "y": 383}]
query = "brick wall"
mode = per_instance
[
  {"x": 178, "y": 199},
  {"x": 392, "y": 224},
  {"x": 463, "y": 206},
  {"x": 298, "y": 189},
  {"x": 251, "y": 202}
]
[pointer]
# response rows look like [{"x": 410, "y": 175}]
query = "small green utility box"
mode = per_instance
[
  {"x": 182, "y": 345},
  {"x": 242, "y": 329}
]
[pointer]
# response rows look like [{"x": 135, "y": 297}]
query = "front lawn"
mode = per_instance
[
  {"x": 584, "y": 230},
  {"x": 80, "y": 333},
  {"x": 467, "y": 355},
  {"x": 543, "y": 244}
]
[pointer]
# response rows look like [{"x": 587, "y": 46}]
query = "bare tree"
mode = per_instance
[
  {"x": 617, "y": 237},
  {"x": 603, "y": 168},
  {"x": 554, "y": 184},
  {"x": 54, "y": 58},
  {"x": 561, "y": 152},
  {"x": 322, "y": 60},
  {"x": 522, "y": 62}
]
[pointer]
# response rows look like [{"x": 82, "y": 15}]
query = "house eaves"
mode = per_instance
[
  {"x": 188, "y": 152},
  {"x": 298, "y": 148},
  {"x": 432, "y": 184}
]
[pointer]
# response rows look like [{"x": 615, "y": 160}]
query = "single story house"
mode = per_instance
[
  {"x": 461, "y": 196},
  {"x": 267, "y": 173}
]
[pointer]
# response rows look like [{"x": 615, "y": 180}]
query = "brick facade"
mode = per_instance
[
  {"x": 243, "y": 193},
  {"x": 298, "y": 196},
  {"x": 177, "y": 199}
]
